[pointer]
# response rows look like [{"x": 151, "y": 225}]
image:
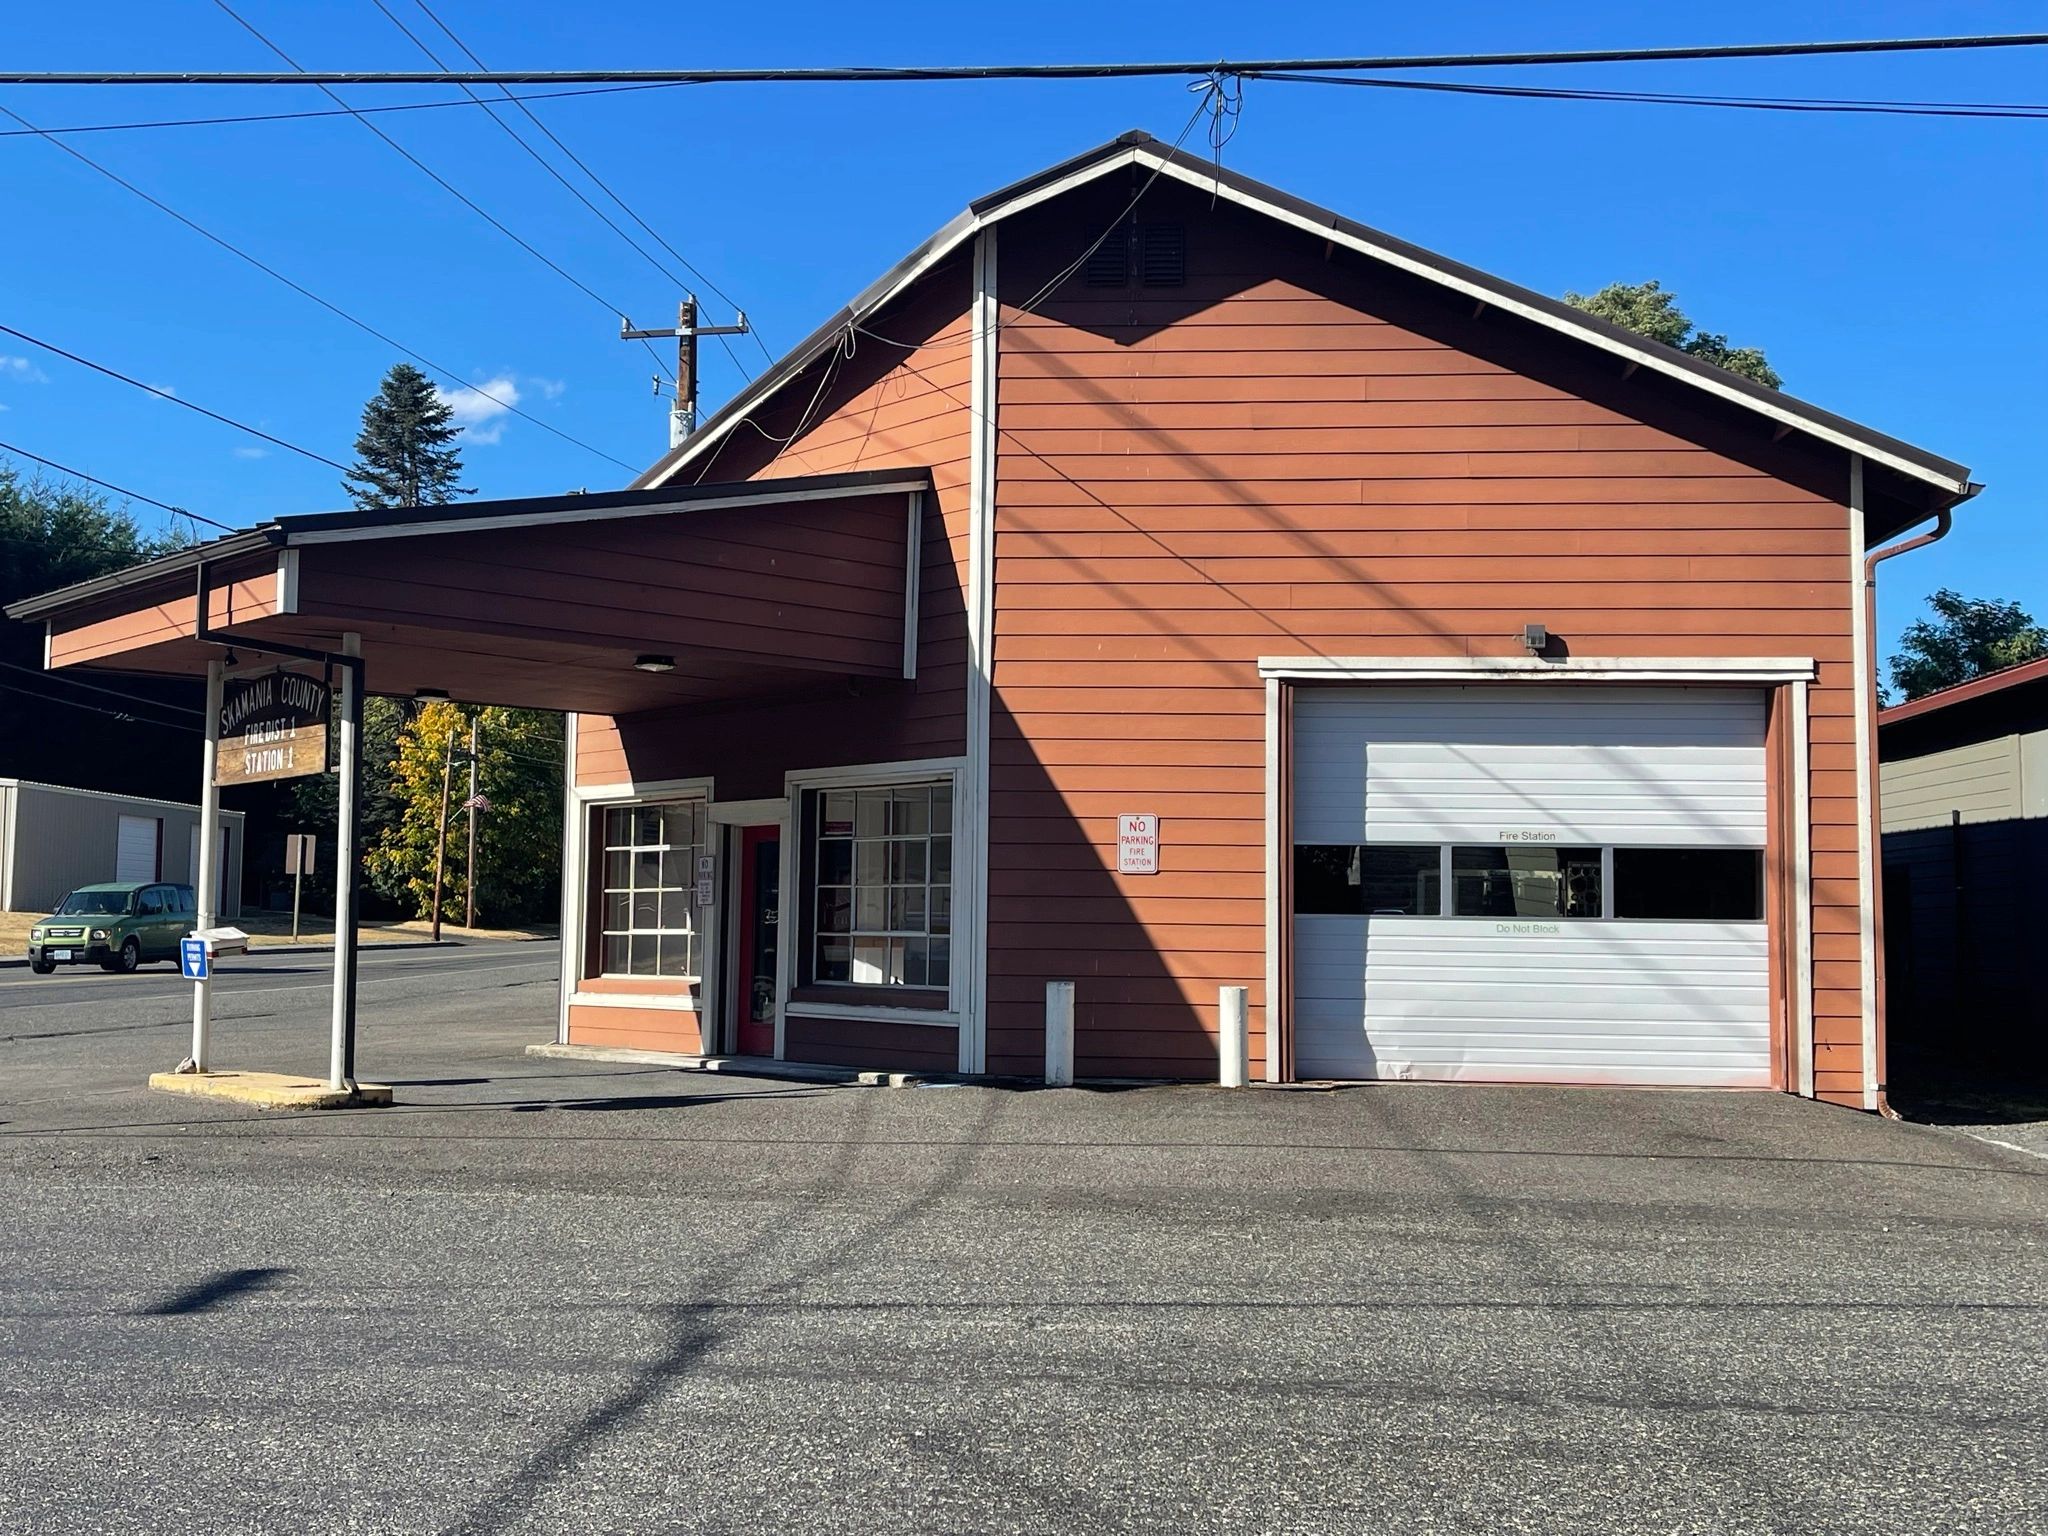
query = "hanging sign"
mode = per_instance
[
  {"x": 1137, "y": 845},
  {"x": 271, "y": 727}
]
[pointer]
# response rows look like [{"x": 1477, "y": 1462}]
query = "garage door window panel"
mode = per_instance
[
  {"x": 1368, "y": 879},
  {"x": 1689, "y": 884},
  {"x": 1521, "y": 882}
]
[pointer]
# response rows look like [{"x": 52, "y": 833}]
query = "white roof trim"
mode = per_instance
[
  {"x": 1480, "y": 669},
  {"x": 967, "y": 225},
  {"x": 596, "y": 515}
]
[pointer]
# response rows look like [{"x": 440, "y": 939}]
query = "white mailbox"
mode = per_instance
[{"x": 223, "y": 941}]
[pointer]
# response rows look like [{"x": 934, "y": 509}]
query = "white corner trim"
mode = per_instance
[
  {"x": 1275, "y": 1003},
  {"x": 1467, "y": 669},
  {"x": 985, "y": 318},
  {"x": 1802, "y": 896},
  {"x": 913, "y": 579},
  {"x": 570, "y": 962},
  {"x": 1861, "y": 671},
  {"x": 566, "y": 515},
  {"x": 287, "y": 581}
]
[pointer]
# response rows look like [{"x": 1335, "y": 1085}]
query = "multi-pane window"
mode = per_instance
[
  {"x": 651, "y": 922},
  {"x": 1520, "y": 880},
  {"x": 883, "y": 886}
]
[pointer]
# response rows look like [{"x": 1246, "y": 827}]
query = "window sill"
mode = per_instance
[
  {"x": 879, "y": 1013},
  {"x": 896, "y": 999},
  {"x": 672, "y": 1002},
  {"x": 641, "y": 986}
]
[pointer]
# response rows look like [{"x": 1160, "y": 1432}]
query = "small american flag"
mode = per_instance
[{"x": 477, "y": 802}]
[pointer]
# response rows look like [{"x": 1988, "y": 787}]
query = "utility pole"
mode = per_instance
[
  {"x": 682, "y": 416},
  {"x": 469, "y": 866},
  {"x": 441, "y": 841}
]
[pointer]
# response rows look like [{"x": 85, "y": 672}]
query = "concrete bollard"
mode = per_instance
[
  {"x": 1059, "y": 1034},
  {"x": 1233, "y": 1037}
]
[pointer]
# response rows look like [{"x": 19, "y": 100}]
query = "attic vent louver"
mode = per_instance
[
  {"x": 1163, "y": 255},
  {"x": 1109, "y": 263}
]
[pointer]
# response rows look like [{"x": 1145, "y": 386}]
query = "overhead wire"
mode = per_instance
[
  {"x": 174, "y": 398},
  {"x": 357, "y": 111},
  {"x": 868, "y": 74},
  {"x": 1810, "y": 104},
  {"x": 118, "y": 490},
  {"x": 329, "y": 305},
  {"x": 546, "y": 165},
  {"x": 434, "y": 176},
  {"x": 596, "y": 180},
  {"x": 99, "y": 709},
  {"x": 115, "y": 693}
]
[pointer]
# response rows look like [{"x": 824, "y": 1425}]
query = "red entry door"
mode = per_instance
[{"x": 760, "y": 927}]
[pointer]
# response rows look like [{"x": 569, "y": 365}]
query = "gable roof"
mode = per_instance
[{"x": 1945, "y": 483}]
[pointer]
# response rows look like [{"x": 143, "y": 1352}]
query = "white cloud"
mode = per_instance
[
  {"x": 21, "y": 368},
  {"x": 480, "y": 410},
  {"x": 551, "y": 389},
  {"x": 252, "y": 452},
  {"x": 165, "y": 389}
]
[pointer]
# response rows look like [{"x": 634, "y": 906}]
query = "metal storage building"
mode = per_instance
[{"x": 54, "y": 839}]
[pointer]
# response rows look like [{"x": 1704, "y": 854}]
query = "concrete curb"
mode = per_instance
[
  {"x": 270, "y": 1090},
  {"x": 797, "y": 1072}
]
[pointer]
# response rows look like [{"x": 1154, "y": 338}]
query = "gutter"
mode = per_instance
[{"x": 1943, "y": 520}]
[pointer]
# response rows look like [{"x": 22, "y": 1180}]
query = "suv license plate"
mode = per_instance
[{"x": 60, "y": 954}]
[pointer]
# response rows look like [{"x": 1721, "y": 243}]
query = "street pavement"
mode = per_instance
[{"x": 554, "y": 1296}]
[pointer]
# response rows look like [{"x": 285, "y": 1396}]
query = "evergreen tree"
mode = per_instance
[{"x": 405, "y": 454}]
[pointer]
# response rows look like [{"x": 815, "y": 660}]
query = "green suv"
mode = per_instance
[{"x": 116, "y": 927}]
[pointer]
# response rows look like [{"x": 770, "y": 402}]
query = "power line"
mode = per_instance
[
  {"x": 1991, "y": 109},
  {"x": 118, "y": 490},
  {"x": 114, "y": 693},
  {"x": 434, "y": 176},
  {"x": 165, "y": 394},
  {"x": 304, "y": 292},
  {"x": 544, "y": 164},
  {"x": 942, "y": 72},
  {"x": 296, "y": 117},
  {"x": 597, "y": 180},
  {"x": 98, "y": 709}
]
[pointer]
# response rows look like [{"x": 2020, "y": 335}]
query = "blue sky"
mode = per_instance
[{"x": 1890, "y": 266}]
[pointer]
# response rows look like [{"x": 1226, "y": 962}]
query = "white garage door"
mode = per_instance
[
  {"x": 1534, "y": 883},
  {"x": 135, "y": 848}
]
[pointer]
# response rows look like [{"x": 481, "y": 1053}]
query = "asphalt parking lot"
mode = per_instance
[{"x": 553, "y": 1296}]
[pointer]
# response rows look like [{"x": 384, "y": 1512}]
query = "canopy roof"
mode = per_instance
[{"x": 592, "y": 602}]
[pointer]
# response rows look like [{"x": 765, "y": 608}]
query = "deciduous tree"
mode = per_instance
[
  {"x": 1966, "y": 638},
  {"x": 1650, "y": 309}
]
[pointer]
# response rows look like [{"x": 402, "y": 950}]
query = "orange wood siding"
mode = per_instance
[
  {"x": 886, "y": 406},
  {"x": 872, "y": 1044},
  {"x": 634, "y": 1029},
  {"x": 1297, "y": 455},
  {"x": 249, "y": 596}
]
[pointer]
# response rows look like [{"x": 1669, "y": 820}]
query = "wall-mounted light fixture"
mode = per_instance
[
  {"x": 1535, "y": 639},
  {"x": 431, "y": 695},
  {"x": 655, "y": 663}
]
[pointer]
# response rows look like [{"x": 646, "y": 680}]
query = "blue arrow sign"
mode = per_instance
[{"x": 193, "y": 959}]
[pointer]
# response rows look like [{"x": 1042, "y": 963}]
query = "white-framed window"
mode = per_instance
[
  {"x": 651, "y": 925},
  {"x": 879, "y": 886}
]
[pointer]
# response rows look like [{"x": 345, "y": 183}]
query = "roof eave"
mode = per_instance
[{"x": 1948, "y": 481}]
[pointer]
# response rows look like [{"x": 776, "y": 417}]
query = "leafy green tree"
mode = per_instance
[
  {"x": 1649, "y": 309},
  {"x": 406, "y": 454},
  {"x": 519, "y": 774},
  {"x": 1966, "y": 638}
]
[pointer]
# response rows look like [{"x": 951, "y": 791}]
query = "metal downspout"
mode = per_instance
[{"x": 1942, "y": 522}]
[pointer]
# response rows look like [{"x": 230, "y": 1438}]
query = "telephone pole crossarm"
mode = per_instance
[{"x": 682, "y": 416}]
